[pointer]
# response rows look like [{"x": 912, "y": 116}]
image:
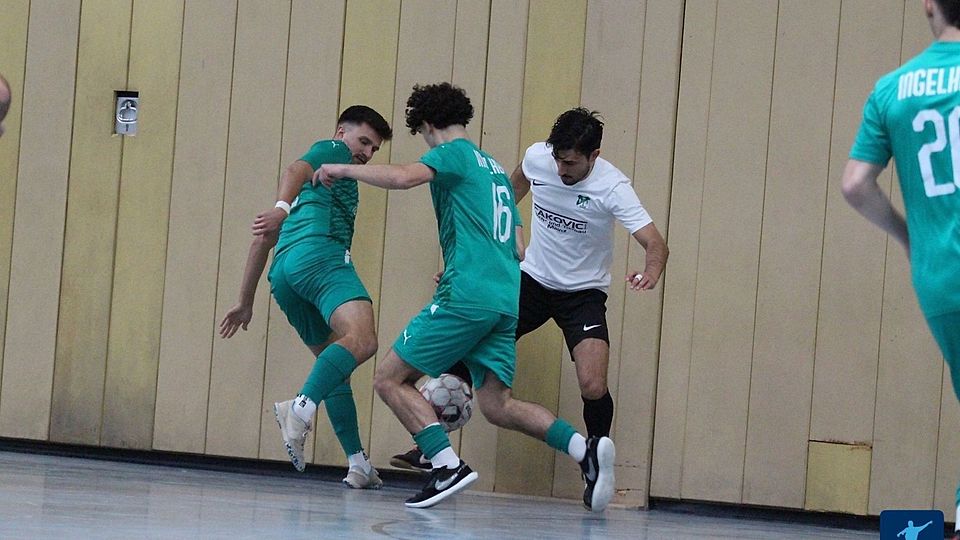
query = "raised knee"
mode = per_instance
[
  {"x": 493, "y": 412},
  {"x": 593, "y": 389},
  {"x": 362, "y": 346}
]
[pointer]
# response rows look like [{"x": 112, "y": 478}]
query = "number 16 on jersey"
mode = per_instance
[{"x": 502, "y": 216}]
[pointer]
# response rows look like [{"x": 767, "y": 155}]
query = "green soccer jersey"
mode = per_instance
[
  {"x": 320, "y": 213},
  {"x": 476, "y": 215},
  {"x": 913, "y": 115}
]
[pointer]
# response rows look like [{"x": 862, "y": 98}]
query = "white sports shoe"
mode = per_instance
[
  {"x": 357, "y": 479},
  {"x": 294, "y": 432}
]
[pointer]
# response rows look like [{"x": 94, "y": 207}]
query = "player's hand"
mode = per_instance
[
  {"x": 238, "y": 317},
  {"x": 326, "y": 175},
  {"x": 268, "y": 222},
  {"x": 437, "y": 276},
  {"x": 641, "y": 282}
]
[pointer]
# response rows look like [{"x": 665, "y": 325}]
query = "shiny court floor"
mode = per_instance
[{"x": 65, "y": 497}]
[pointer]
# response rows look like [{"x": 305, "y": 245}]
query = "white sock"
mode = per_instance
[
  {"x": 577, "y": 447},
  {"x": 957, "y": 519},
  {"x": 304, "y": 408},
  {"x": 359, "y": 460},
  {"x": 446, "y": 458}
]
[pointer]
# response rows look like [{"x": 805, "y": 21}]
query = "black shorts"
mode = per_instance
[{"x": 579, "y": 314}]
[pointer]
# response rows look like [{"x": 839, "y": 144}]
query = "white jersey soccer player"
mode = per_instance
[
  {"x": 577, "y": 198},
  {"x": 571, "y": 237}
]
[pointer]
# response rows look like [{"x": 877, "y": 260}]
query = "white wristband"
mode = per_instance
[{"x": 284, "y": 205}]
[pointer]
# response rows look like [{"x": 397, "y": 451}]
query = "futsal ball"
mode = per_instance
[{"x": 451, "y": 398}]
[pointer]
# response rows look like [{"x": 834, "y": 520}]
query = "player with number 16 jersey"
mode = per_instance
[{"x": 470, "y": 191}]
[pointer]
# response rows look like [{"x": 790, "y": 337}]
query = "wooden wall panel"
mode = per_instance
[
  {"x": 371, "y": 31},
  {"x": 90, "y": 232},
  {"x": 470, "y": 50},
  {"x": 551, "y": 85},
  {"x": 253, "y": 159},
  {"x": 612, "y": 61},
  {"x": 14, "y": 19},
  {"x": 680, "y": 279},
  {"x": 729, "y": 250},
  {"x": 190, "y": 277},
  {"x": 310, "y": 113},
  {"x": 133, "y": 353},
  {"x": 790, "y": 247},
  {"x": 499, "y": 134},
  {"x": 851, "y": 281},
  {"x": 411, "y": 249},
  {"x": 38, "y": 226},
  {"x": 905, "y": 435},
  {"x": 837, "y": 477},
  {"x": 640, "y": 337}
]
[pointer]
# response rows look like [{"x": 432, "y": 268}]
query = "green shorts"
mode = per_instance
[
  {"x": 309, "y": 282},
  {"x": 440, "y": 336}
]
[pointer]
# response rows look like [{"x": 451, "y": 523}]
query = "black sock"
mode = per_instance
[{"x": 598, "y": 415}]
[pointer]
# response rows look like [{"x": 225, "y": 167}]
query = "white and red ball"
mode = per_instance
[{"x": 451, "y": 398}]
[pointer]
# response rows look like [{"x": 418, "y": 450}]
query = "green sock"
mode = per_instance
[
  {"x": 432, "y": 440},
  {"x": 559, "y": 434},
  {"x": 342, "y": 411},
  {"x": 333, "y": 366}
]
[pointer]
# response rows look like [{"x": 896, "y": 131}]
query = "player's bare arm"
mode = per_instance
[
  {"x": 241, "y": 313},
  {"x": 521, "y": 186},
  {"x": 861, "y": 190},
  {"x": 384, "y": 176},
  {"x": 291, "y": 181},
  {"x": 656, "y": 251}
]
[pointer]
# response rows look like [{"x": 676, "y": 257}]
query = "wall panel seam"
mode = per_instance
[{"x": 226, "y": 150}]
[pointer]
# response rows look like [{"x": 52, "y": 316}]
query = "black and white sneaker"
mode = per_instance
[
  {"x": 443, "y": 482},
  {"x": 597, "y": 469},
  {"x": 413, "y": 460}
]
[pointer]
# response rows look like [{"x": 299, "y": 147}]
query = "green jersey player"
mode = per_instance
[
  {"x": 315, "y": 284},
  {"x": 473, "y": 315},
  {"x": 913, "y": 115}
]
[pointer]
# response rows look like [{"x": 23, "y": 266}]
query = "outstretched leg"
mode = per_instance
[
  {"x": 394, "y": 383},
  {"x": 595, "y": 455}
]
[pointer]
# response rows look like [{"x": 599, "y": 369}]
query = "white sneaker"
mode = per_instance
[
  {"x": 357, "y": 479},
  {"x": 294, "y": 432},
  {"x": 597, "y": 471}
]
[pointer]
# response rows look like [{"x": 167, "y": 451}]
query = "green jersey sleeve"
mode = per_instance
[
  {"x": 873, "y": 142},
  {"x": 446, "y": 164}
]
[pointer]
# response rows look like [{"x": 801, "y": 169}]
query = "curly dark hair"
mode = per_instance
[
  {"x": 440, "y": 105},
  {"x": 577, "y": 129},
  {"x": 361, "y": 114}
]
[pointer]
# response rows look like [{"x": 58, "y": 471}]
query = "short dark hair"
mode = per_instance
[
  {"x": 361, "y": 114},
  {"x": 440, "y": 105},
  {"x": 951, "y": 11},
  {"x": 577, "y": 129}
]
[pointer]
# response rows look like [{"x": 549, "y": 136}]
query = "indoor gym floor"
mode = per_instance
[{"x": 51, "y": 496}]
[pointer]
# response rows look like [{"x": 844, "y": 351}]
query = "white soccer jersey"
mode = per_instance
[{"x": 571, "y": 237}]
